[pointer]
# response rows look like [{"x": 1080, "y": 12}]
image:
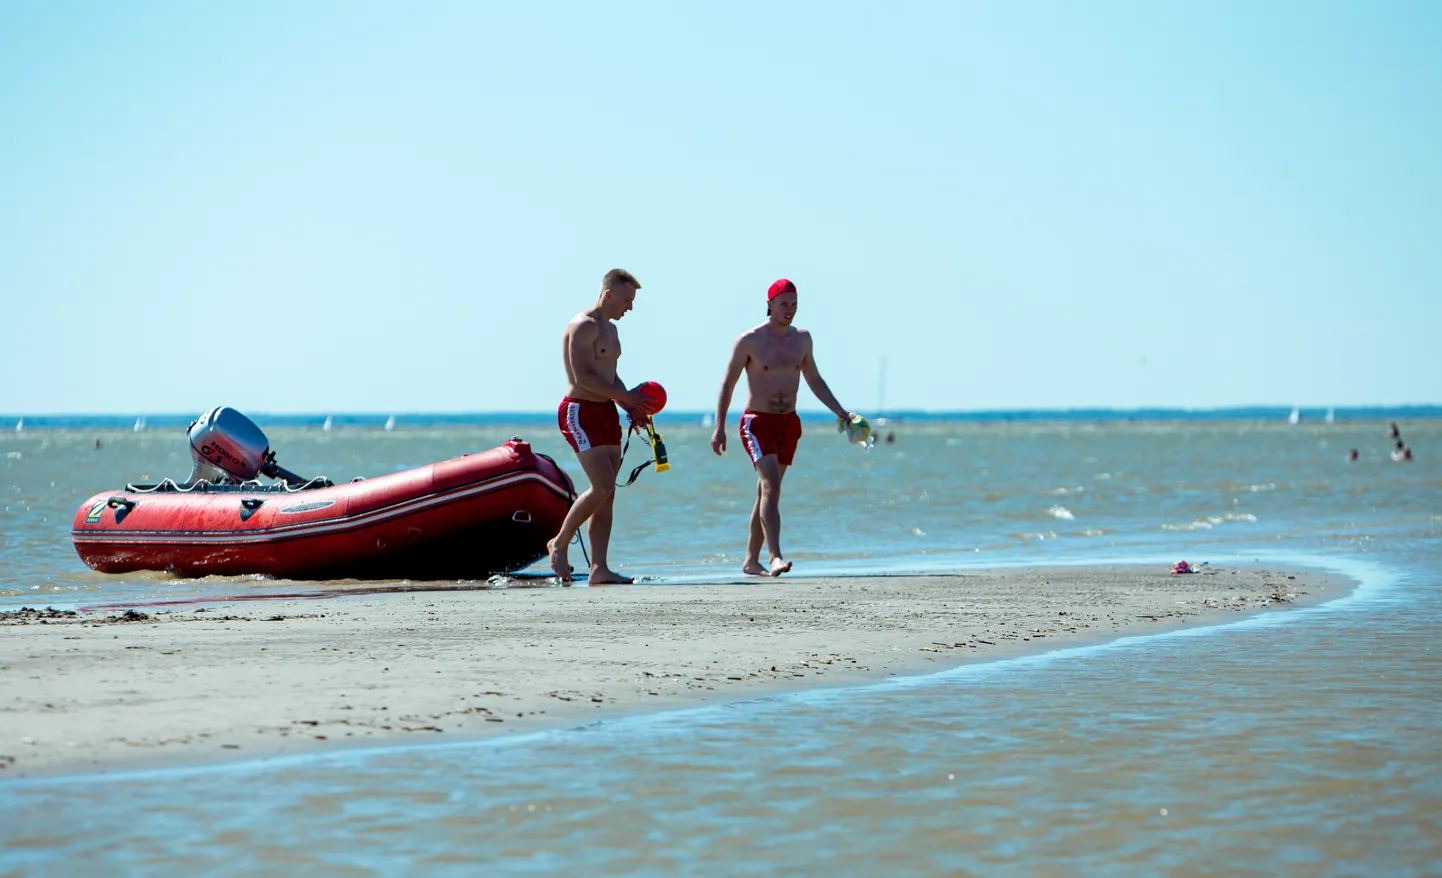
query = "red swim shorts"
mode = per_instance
[
  {"x": 587, "y": 424},
  {"x": 764, "y": 434}
]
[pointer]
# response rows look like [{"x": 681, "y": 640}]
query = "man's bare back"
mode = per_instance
[{"x": 773, "y": 367}]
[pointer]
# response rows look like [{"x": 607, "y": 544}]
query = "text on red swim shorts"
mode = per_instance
[{"x": 587, "y": 424}]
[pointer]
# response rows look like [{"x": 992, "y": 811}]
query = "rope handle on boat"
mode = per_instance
[{"x": 169, "y": 486}]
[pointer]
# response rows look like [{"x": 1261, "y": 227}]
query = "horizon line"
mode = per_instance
[{"x": 820, "y": 413}]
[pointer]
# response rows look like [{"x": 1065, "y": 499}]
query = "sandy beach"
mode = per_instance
[{"x": 108, "y": 690}]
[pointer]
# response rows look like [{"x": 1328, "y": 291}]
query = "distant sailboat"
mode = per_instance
[
  {"x": 390, "y": 423},
  {"x": 1295, "y": 417},
  {"x": 326, "y": 425},
  {"x": 1331, "y": 415},
  {"x": 19, "y": 425},
  {"x": 881, "y": 390},
  {"x": 139, "y": 424},
  {"x": 880, "y": 420}
]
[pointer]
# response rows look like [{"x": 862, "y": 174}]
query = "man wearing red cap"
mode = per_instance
[
  {"x": 774, "y": 356},
  {"x": 588, "y": 421}
]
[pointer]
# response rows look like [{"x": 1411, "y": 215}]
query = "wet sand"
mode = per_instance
[{"x": 111, "y": 690}]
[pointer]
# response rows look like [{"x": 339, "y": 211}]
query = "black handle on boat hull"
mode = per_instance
[{"x": 121, "y": 506}]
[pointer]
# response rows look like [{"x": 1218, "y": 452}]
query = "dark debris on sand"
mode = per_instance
[
  {"x": 27, "y": 615},
  {"x": 32, "y": 616}
]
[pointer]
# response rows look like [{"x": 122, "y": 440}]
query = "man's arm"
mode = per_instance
[
  {"x": 740, "y": 353},
  {"x": 818, "y": 384},
  {"x": 582, "y": 353}
]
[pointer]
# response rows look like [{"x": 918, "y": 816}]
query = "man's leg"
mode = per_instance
[
  {"x": 600, "y": 471},
  {"x": 766, "y": 520},
  {"x": 755, "y": 538},
  {"x": 600, "y": 527}
]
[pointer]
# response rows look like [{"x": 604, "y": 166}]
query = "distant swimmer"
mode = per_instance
[
  {"x": 1392, "y": 431},
  {"x": 1352, "y": 455},
  {"x": 588, "y": 421},
  {"x": 775, "y": 356},
  {"x": 1401, "y": 452}
]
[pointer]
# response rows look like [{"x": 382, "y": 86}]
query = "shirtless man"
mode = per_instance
[
  {"x": 587, "y": 418},
  {"x": 774, "y": 355}
]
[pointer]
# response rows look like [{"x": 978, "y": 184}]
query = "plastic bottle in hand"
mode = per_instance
[{"x": 857, "y": 430}]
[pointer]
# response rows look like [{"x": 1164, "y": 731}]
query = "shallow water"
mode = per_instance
[
  {"x": 942, "y": 495},
  {"x": 1299, "y": 743}
]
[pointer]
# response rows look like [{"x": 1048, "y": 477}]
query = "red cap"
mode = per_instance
[{"x": 781, "y": 286}]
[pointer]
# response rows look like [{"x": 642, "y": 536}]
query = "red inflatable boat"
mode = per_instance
[{"x": 465, "y": 518}]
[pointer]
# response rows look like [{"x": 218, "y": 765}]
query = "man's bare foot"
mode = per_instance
[
  {"x": 754, "y": 568},
  {"x": 604, "y": 576},
  {"x": 779, "y": 566},
  {"x": 559, "y": 562}
]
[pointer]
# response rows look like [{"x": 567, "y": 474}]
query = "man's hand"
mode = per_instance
[
  {"x": 636, "y": 419},
  {"x": 634, "y": 404},
  {"x": 718, "y": 439},
  {"x": 635, "y": 401}
]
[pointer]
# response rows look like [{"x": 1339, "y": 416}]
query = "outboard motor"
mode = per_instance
[{"x": 226, "y": 446}]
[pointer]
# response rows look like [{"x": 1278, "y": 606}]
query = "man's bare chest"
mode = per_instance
[
  {"x": 779, "y": 357},
  {"x": 608, "y": 344}
]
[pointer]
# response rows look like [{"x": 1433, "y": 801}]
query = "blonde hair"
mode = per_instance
[{"x": 619, "y": 275}]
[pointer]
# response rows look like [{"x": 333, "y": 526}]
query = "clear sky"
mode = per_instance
[{"x": 395, "y": 207}]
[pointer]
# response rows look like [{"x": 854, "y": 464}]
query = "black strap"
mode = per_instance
[{"x": 637, "y": 471}]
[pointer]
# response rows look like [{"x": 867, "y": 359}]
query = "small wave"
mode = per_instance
[
  {"x": 1255, "y": 489},
  {"x": 1049, "y": 535},
  {"x": 1210, "y": 520},
  {"x": 1061, "y": 512},
  {"x": 1092, "y": 532},
  {"x": 1076, "y": 489},
  {"x": 1196, "y": 525}
]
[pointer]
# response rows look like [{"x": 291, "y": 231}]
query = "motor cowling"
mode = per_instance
[{"x": 225, "y": 445}]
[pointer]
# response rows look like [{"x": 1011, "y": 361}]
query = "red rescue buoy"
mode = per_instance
[{"x": 654, "y": 395}]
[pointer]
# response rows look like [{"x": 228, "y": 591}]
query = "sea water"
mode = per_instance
[{"x": 1303, "y": 742}]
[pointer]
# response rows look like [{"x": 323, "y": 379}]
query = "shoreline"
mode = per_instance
[{"x": 95, "y": 692}]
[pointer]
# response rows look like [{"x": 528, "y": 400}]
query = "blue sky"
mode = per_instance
[{"x": 388, "y": 207}]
